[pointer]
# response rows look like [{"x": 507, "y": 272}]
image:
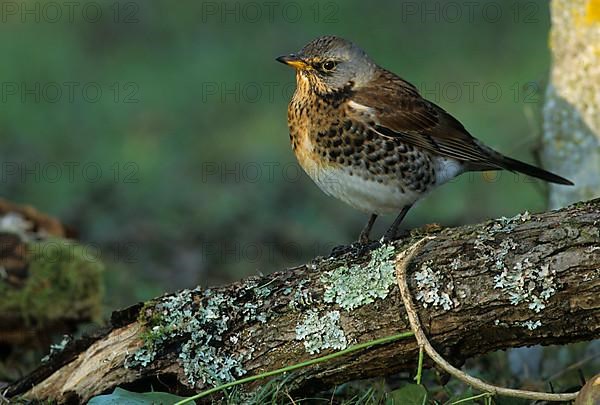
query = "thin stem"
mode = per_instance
[
  {"x": 484, "y": 395},
  {"x": 420, "y": 366}
]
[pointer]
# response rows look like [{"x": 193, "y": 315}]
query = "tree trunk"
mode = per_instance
[
  {"x": 530, "y": 279},
  {"x": 571, "y": 141}
]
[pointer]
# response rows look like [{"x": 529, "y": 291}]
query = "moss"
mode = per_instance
[
  {"x": 360, "y": 284},
  {"x": 321, "y": 331},
  {"x": 64, "y": 282}
]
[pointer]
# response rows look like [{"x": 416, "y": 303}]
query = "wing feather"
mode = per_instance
[{"x": 398, "y": 111}]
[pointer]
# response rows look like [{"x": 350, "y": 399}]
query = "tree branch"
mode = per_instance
[
  {"x": 504, "y": 283},
  {"x": 402, "y": 262}
]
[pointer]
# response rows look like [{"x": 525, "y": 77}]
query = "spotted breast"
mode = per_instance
[{"x": 348, "y": 161}]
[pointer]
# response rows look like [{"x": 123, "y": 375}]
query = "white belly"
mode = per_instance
[{"x": 371, "y": 197}]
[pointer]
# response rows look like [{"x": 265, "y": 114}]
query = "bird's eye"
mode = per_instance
[{"x": 328, "y": 66}]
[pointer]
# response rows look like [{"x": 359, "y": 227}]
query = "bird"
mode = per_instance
[{"x": 367, "y": 137}]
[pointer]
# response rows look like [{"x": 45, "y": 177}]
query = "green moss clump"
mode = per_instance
[{"x": 64, "y": 282}]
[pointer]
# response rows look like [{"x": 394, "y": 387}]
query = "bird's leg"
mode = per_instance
[
  {"x": 364, "y": 234},
  {"x": 391, "y": 233},
  {"x": 363, "y": 240}
]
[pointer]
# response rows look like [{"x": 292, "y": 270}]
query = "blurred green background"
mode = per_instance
[{"x": 157, "y": 130}]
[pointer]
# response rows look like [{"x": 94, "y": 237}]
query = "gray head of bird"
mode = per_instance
[{"x": 331, "y": 64}]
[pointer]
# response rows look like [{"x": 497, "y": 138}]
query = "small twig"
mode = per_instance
[
  {"x": 461, "y": 401},
  {"x": 290, "y": 398},
  {"x": 402, "y": 261},
  {"x": 576, "y": 365}
]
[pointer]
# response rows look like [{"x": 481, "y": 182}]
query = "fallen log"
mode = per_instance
[{"x": 530, "y": 279}]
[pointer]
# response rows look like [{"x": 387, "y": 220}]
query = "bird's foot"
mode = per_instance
[
  {"x": 340, "y": 250},
  {"x": 363, "y": 238},
  {"x": 357, "y": 249},
  {"x": 394, "y": 234}
]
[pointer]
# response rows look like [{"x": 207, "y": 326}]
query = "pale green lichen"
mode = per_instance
[
  {"x": 490, "y": 254},
  {"x": 252, "y": 310},
  {"x": 57, "y": 347},
  {"x": 360, "y": 284},
  {"x": 522, "y": 282},
  {"x": 321, "y": 331},
  {"x": 433, "y": 288},
  {"x": 456, "y": 263},
  {"x": 527, "y": 283},
  {"x": 301, "y": 296},
  {"x": 263, "y": 291},
  {"x": 531, "y": 325},
  {"x": 504, "y": 224},
  {"x": 201, "y": 319}
]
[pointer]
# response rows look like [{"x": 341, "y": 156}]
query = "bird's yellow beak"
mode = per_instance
[{"x": 294, "y": 61}]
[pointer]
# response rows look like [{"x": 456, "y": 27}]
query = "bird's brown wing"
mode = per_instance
[{"x": 398, "y": 111}]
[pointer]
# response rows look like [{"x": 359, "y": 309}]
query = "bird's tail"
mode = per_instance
[{"x": 533, "y": 171}]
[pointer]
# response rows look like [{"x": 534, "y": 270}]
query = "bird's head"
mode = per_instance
[{"x": 331, "y": 64}]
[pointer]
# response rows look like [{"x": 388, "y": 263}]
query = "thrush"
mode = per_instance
[{"x": 368, "y": 138}]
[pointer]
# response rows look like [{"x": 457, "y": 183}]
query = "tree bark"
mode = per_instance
[
  {"x": 530, "y": 279},
  {"x": 571, "y": 140}
]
